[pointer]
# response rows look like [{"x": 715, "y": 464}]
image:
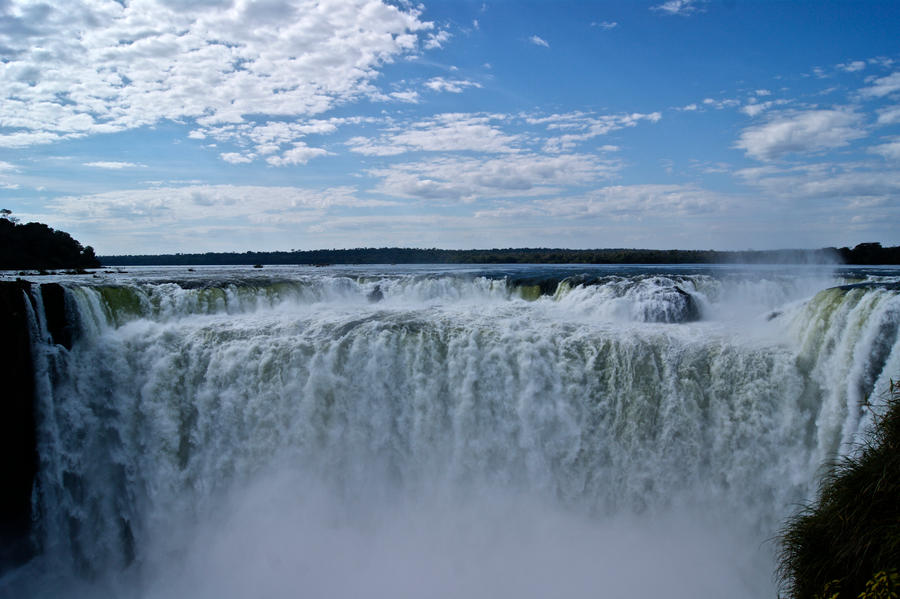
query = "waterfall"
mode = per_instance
[{"x": 307, "y": 434}]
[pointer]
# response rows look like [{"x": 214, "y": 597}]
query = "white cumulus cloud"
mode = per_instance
[
  {"x": 180, "y": 206},
  {"x": 890, "y": 150},
  {"x": 436, "y": 40},
  {"x": 801, "y": 132},
  {"x": 537, "y": 41},
  {"x": 677, "y": 7},
  {"x": 299, "y": 154},
  {"x": 889, "y": 115},
  {"x": 277, "y": 140},
  {"x": 453, "y": 132},
  {"x": 883, "y": 86},
  {"x": 755, "y": 108},
  {"x": 93, "y": 66},
  {"x": 620, "y": 202},
  {"x": 110, "y": 165},
  {"x": 236, "y": 157},
  {"x": 837, "y": 182},
  {"x": 463, "y": 179},
  {"x": 454, "y": 86},
  {"x": 580, "y": 127},
  {"x": 409, "y": 96},
  {"x": 852, "y": 67}
]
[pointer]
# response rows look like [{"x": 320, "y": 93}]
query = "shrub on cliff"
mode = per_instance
[
  {"x": 847, "y": 544},
  {"x": 37, "y": 246}
]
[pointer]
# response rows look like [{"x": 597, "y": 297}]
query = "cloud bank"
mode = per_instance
[{"x": 97, "y": 66}]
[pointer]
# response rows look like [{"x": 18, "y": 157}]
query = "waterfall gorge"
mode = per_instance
[{"x": 453, "y": 432}]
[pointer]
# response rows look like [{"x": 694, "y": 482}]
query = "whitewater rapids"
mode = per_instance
[{"x": 402, "y": 432}]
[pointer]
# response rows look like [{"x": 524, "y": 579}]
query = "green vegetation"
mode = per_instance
[
  {"x": 867, "y": 253},
  {"x": 847, "y": 544},
  {"x": 37, "y": 246}
]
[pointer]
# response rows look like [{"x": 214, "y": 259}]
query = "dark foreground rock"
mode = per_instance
[{"x": 19, "y": 462}]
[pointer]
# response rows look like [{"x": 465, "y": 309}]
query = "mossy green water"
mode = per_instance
[{"x": 122, "y": 303}]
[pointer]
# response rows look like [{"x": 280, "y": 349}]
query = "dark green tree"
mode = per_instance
[{"x": 37, "y": 246}]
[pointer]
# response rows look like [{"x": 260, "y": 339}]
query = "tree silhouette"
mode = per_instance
[{"x": 37, "y": 246}]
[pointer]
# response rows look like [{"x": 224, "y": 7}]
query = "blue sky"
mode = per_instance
[{"x": 154, "y": 126}]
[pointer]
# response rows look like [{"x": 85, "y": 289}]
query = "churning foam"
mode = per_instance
[{"x": 449, "y": 436}]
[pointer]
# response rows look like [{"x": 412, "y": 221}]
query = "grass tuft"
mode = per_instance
[{"x": 846, "y": 545}]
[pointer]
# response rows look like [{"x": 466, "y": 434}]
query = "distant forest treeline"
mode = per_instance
[
  {"x": 864, "y": 253},
  {"x": 37, "y": 246}
]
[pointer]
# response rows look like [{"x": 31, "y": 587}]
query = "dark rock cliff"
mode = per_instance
[
  {"x": 18, "y": 426},
  {"x": 18, "y": 465}
]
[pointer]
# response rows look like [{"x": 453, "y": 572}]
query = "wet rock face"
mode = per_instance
[
  {"x": 18, "y": 449},
  {"x": 18, "y": 429},
  {"x": 376, "y": 295},
  {"x": 669, "y": 305},
  {"x": 689, "y": 309},
  {"x": 54, "y": 298}
]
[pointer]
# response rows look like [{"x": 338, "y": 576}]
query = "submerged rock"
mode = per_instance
[{"x": 376, "y": 295}]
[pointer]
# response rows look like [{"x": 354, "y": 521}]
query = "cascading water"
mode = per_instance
[{"x": 449, "y": 433}]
